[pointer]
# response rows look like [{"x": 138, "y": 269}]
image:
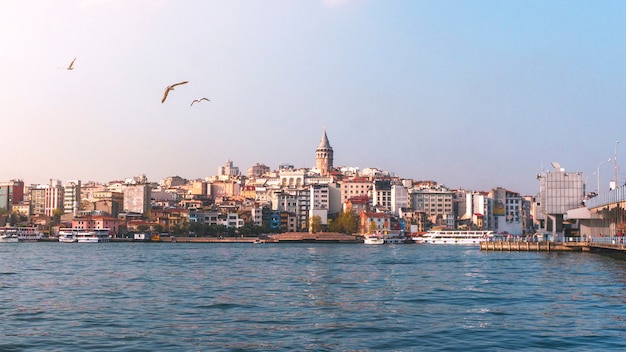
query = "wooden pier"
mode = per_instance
[{"x": 553, "y": 247}]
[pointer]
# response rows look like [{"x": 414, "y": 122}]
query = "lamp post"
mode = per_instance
[
  {"x": 598, "y": 174},
  {"x": 615, "y": 166}
]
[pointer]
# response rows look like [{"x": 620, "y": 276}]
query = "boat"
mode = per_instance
[
  {"x": 395, "y": 238},
  {"x": 21, "y": 233},
  {"x": 453, "y": 237},
  {"x": 373, "y": 239},
  {"x": 387, "y": 238},
  {"x": 8, "y": 238},
  {"x": 69, "y": 235}
]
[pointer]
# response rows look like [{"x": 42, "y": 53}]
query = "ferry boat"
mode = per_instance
[
  {"x": 68, "y": 235},
  {"x": 19, "y": 234},
  {"x": 453, "y": 237}
]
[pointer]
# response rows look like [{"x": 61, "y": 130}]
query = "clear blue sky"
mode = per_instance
[{"x": 471, "y": 94}]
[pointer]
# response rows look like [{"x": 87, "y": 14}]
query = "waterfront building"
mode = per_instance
[
  {"x": 437, "y": 203},
  {"x": 294, "y": 201},
  {"x": 559, "y": 191},
  {"x": 256, "y": 215},
  {"x": 507, "y": 211},
  {"x": 171, "y": 219},
  {"x": 94, "y": 222},
  {"x": 319, "y": 202},
  {"x": 371, "y": 222},
  {"x": 324, "y": 156}
]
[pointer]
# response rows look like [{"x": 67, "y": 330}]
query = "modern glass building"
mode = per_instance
[{"x": 559, "y": 191}]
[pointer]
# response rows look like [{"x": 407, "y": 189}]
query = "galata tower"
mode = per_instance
[{"x": 324, "y": 156}]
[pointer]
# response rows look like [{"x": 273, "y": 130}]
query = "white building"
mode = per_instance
[
  {"x": 72, "y": 197},
  {"x": 399, "y": 198}
]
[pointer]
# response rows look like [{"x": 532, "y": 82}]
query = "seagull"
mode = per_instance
[
  {"x": 70, "y": 67},
  {"x": 198, "y": 100},
  {"x": 167, "y": 90}
]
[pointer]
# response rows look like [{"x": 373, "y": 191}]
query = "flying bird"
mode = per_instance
[
  {"x": 70, "y": 67},
  {"x": 198, "y": 100},
  {"x": 167, "y": 90}
]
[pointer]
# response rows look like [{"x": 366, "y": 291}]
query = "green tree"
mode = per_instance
[
  {"x": 56, "y": 215},
  {"x": 197, "y": 228},
  {"x": 315, "y": 224},
  {"x": 346, "y": 222}
]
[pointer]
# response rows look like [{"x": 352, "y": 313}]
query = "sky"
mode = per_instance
[{"x": 471, "y": 94}]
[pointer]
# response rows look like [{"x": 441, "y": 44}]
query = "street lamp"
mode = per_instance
[
  {"x": 598, "y": 174},
  {"x": 615, "y": 167}
]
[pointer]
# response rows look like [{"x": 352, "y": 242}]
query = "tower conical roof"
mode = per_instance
[{"x": 324, "y": 142}]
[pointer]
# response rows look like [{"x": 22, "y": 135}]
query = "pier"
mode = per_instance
[{"x": 609, "y": 245}]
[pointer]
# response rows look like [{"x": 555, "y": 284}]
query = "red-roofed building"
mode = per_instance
[{"x": 357, "y": 204}]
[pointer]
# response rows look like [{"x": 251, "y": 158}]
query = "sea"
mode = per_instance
[{"x": 306, "y": 297}]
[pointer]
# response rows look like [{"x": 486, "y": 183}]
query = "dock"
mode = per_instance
[{"x": 546, "y": 246}]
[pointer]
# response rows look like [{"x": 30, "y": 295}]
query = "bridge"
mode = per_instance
[{"x": 603, "y": 218}]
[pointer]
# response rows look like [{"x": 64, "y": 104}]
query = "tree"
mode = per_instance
[
  {"x": 346, "y": 222},
  {"x": 372, "y": 227},
  {"x": 315, "y": 224},
  {"x": 56, "y": 215}
]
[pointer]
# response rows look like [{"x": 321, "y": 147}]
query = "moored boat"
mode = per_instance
[
  {"x": 387, "y": 238},
  {"x": 68, "y": 235},
  {"x": 373, "y": 239},
  {"x": 8, "y": 238},
  {"x": 21, "y": 233}
]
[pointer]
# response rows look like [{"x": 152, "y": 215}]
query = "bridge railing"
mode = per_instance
[{"x": 613, "y": 196}]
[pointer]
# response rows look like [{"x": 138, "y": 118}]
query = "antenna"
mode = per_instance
[{"x": 556, "y": 165}]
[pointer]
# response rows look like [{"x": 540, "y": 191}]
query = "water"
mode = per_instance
[{"x": 315, "y": 297}]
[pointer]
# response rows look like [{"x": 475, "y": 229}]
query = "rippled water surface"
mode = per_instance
[{"x": 317, "y": 297}]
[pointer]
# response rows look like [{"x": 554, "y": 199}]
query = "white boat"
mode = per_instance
[
  {"x": 8, "y": 238},
  {"x": 373, "y": 239},
  {"x": 21, "y": 233},
  {"x": 68, "y": 235},
  {"x": 388, "y": 238},
  {"x": 453, "y": 237}
]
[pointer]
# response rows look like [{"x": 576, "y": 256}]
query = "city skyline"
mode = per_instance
[{"x": 471, "y": 95}]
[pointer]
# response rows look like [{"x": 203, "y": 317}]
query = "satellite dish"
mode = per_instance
[{"x": 556, "y": 165}]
